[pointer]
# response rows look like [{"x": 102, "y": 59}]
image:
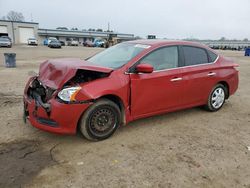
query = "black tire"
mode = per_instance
[
  {"x": 103, "y": 114},
  {"x": 214, "y": 102}
]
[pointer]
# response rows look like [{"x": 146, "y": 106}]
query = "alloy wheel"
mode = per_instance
[{"x": 218, "y": 97}]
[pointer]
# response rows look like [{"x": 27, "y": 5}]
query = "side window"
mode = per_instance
[
  {"x": 163, "y": 58},
  {"x": 194, "y": 55},
  {"x": 212, "y": 56}
]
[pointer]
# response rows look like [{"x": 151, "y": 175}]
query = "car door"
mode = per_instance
[
  {"x": 160, "y": 90},
  {"x": 199, "y": 75}
]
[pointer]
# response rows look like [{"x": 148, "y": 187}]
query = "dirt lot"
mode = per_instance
[{"x": 190, "y": 148}]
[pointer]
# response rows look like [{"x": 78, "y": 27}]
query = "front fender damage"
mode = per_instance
[{"x": 42, "y": 94}]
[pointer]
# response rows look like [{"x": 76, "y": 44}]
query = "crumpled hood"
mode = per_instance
[{"x": 55, "y": 73}]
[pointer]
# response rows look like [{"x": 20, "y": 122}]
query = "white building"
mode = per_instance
[{"x": 19, "y": 32}]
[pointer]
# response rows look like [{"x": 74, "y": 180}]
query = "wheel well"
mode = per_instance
[
  {"x": 117, "y": 100},
  {"x": 225, "y": 84}
]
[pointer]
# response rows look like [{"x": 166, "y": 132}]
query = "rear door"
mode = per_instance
[
  {"x": 160, "y": 90},
  {"x": 199, "y": 74}
]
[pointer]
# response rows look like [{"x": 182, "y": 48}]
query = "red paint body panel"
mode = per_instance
[
  {"x": 144, "y": 68},
  {"x": 142, "y": 95},
  {"x": 155, "y": 92},
  {"x": 197, "y": 84},
  {"x": 65, "y": 115}
]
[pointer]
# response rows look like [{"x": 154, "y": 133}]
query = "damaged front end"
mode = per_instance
[
  {"x": 71, "y": 88},
  {"x": 40, "y": 93},
  {"x": 55, "y": 99},
  {"x": 59, "y": 74}
]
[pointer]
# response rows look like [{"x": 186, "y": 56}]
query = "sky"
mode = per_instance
[{"x": 172, "y": 19}]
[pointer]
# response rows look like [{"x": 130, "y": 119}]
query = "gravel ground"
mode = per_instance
[{"x": 189, "y": 148}]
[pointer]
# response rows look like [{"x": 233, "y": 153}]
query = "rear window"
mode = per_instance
[
  {"x": 212, "y": 56},
  {"x": 194, "y": 55}
]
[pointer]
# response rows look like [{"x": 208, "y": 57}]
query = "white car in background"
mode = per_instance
[
  {"x": 73, "y": 42},
  {"x": 32, "y": 41}
]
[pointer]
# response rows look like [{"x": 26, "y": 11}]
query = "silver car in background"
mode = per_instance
[{"x": 5, "y": 42}]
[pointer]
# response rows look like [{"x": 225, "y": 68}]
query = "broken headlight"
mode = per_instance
[{"x": 69, "y": 94}]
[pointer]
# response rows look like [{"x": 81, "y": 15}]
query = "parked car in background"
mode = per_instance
[
  {"x": 88, "y": 43},
  {"x": 45, "y": 42},
  {"x": 125, "y": 82},
  {"x": 51, "y": 38},
  {"x": 62, "y": 43},
  {"x": 54, "y": 44},
  {"x": 99, "y": 42},
  {"x": 5, "y": 42},
  {"x": 73, "y": 42},
  {"x": 32, "y": 41},
  {"x": 7, "y": 38}
]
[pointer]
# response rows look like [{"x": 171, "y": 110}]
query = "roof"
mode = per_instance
[
  {"x": 156, "y": 42},
  {"x": 79, "y": 33},
  {"x": 18, "y": 22}
]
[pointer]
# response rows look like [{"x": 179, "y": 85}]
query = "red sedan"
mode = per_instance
[{"x": 128, "y": 81}]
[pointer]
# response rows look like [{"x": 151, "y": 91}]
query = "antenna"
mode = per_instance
[{"x": 31, "y": 17}]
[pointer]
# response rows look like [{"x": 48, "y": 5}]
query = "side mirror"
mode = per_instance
[{"x": 144, "y": 68}]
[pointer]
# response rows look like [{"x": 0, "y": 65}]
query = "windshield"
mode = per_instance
[
  {"x": 118, "y": 55},
  {"x": 4, "y": 39}
]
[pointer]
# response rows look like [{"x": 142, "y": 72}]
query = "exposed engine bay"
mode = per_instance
[
  {"x": 83, "y": 76},
  {"x": 42, "y": 94}
]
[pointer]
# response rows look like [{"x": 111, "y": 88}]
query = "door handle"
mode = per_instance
[
  {"x": 176, "y": 79},
  {"x": 211, "y": 74}
]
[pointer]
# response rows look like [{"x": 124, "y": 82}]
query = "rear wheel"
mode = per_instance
[
  {"x": 100, "y": 120},
  {"x": 216, "y": 98}
]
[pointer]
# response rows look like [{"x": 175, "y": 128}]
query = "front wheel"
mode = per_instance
[
  {"x": 216, "y": 98},
  {"x": 100, "y": 120}
]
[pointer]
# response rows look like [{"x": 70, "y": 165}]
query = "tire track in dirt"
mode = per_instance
[{"x": 9, "y": 99}]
